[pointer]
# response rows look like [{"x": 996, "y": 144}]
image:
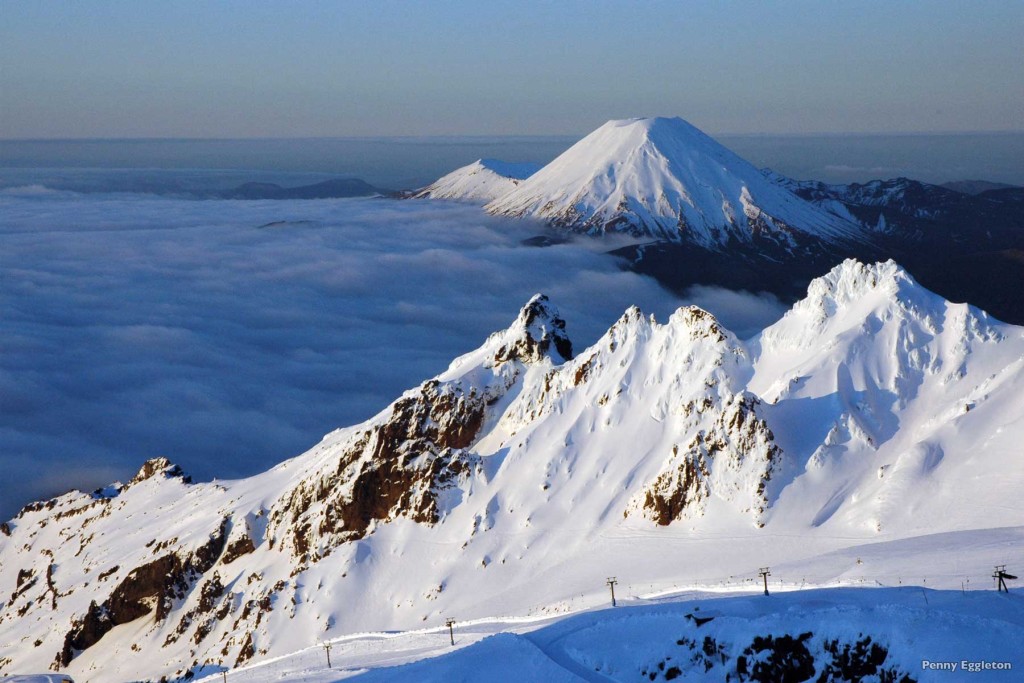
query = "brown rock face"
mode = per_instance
[
  {"x": 738, "y": 437},
  {"x": 543, "y": 330},
  {"x": 237, "y": 548},
  {"x": 703, "y": 325},
  {"x": 162, "y": 466},
  {"x": 153, "y": 587},
  {"x": 392, "y": 469},
  {"x": 247, "y": 652},
  {"x": 397, "y": 467},
  {"x": 669, "y": 496}
]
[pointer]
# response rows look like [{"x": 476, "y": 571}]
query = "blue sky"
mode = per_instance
[{"x": 292, "y": 69}]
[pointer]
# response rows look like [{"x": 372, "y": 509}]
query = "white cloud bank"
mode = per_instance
[{"x": 134, "y": 326}]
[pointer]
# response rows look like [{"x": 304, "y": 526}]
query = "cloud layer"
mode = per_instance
[{"x": 135, "y": 326}]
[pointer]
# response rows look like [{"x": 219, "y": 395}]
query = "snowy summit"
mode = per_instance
[
  {"x": 873, "y": 415},
  {"x": 664, "y": 178},
  {"x": 480, "y": 182}
]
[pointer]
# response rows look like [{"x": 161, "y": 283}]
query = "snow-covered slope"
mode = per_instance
[
  {"x": 480, "y": 182},
  {"x": 519, "y": 479},
  {"x": 834, "y": 634},
  {"x": 915, "y": 403},
  {"x": 663, "y": 178}
]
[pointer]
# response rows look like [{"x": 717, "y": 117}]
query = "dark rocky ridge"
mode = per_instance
[
  {"x": 398, "y": 467},
  {"x": 328, "y": 189},
  {"x": 392, "y": 469},
  {"x": 967, "y": 248},
  {"x": 974, "y": 186},
  {"x": 778, "y": 658},
  {"x": 739, "y": 433}
]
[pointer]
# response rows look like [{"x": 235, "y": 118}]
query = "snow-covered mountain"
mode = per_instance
[
  {"x": 680, "y": 194},
  {"x": 918, "y": 213},
  {"x": 479, "y": 182},
  {"x": 663, "y": 178},
  {"x": 526, "y": 473}
]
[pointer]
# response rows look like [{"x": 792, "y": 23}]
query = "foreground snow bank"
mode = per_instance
[{"x": 888, "y": 634}]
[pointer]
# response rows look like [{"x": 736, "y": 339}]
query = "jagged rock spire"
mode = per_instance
[{"x": 538, "y": 331}]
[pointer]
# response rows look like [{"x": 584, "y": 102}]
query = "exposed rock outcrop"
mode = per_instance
[{"x": 151, "y": 588}]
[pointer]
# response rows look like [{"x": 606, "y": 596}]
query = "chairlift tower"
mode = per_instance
[
  {"x": 1002, "y": 576},
  {"x": 611, "y": 584},
  {"x": 450, "y": 623}
]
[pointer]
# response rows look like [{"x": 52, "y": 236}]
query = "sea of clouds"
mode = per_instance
[{"x": 230, "y": 335}]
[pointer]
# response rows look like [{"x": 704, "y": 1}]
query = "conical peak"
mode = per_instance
[
  {"x": 516, "y": 171},
  {"x": 670, "y": 135},
  {"x": 653, "y": 123},
  {"x": 657, "y": 125},
  {"x": 481, "y": 181},
  {"x": 663, "y": 177}
]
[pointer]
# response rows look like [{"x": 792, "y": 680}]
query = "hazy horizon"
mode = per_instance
[
  {"x": 406, "y": 162},
  {"x": 257, "y": 69},
  {"x": 485, "y": 136}
]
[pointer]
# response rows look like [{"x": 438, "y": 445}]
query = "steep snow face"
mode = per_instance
[
  {"x": 660, "y": 407},
  {"x": 663, "y": 178},
  {"x": 480, "y": 182},
  {"x": 406, "y": 461},
  {"x": 895, "y": 405},
  {"x": 524, "y": 474}
]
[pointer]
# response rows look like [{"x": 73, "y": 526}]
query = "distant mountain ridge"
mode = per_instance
[
  {"x": 976, "y": 186},
  {"x": 917, "y": 212},
  {"x": 327, "y": 189}
]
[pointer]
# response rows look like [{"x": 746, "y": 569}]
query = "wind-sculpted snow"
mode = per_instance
[
  {"x": 886, "y": 635},
  {"x": 529, "y": 471},
  {"x": 665, "y": 179},
  {"x": 888, "y": 379}
]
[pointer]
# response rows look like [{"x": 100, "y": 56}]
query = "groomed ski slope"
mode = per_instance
[{"x": 945, "y": 611}]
